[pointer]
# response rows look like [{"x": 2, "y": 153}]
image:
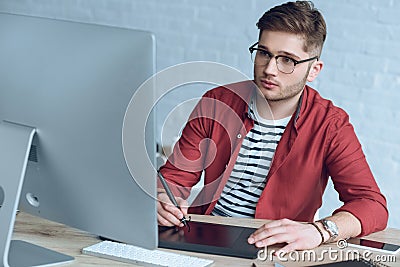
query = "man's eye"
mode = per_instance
[
  {"x": 287, "y": 60},
  {"x": 263, "y": 53}
]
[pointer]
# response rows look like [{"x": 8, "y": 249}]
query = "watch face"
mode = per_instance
[{"x": 332, "y": 226}]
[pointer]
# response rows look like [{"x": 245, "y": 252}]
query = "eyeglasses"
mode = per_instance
[{"x": 284, "y": 64}]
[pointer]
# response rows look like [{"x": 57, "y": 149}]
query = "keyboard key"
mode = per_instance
[{"x": 137, "y": 255}]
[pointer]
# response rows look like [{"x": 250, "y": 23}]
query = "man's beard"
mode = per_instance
[{"x": 290, "y": 91}]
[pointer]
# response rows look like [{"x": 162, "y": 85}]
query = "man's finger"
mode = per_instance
[
  {"x": 162, "y": 221},
  {"x": 170, "y": 213},
  {"x": 275, "y": 239},
  {"x": 265, "y": 232}
]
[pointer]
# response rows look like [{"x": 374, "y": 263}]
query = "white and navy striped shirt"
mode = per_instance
[{"x": 248, "y": 178}]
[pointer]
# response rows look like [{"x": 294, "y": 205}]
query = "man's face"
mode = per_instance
[{"x": 276, "y": 85}]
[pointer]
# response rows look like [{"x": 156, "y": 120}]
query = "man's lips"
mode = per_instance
[{"x": 268, "y": 84}]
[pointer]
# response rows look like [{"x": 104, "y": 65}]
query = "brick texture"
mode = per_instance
[{"x": 361, "y": 55}]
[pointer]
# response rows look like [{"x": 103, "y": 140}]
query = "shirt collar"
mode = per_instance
[{"x": 251, "y": 106}]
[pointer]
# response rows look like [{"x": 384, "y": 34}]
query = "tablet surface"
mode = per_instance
[{"x": 209, "y": 238}]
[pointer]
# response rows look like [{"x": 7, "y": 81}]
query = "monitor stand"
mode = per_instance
[{"x": 15, "y": 144}]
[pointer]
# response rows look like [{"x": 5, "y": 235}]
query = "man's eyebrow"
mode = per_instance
[
  {"x": 279, "y": 52},
  {"x": 262, "y": 47},
  {"x": 288, "y": 54}
]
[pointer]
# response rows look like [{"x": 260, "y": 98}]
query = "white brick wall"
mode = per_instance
[{"x": 361, "y": 55}]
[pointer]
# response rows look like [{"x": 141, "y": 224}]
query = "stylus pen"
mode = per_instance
[{"x": 170, "y": 195}]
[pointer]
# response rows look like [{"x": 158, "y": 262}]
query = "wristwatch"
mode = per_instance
[{"x": 331, "y": 228}]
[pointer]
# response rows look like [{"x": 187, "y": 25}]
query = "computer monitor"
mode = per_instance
[{"x": 64, "y": 90}]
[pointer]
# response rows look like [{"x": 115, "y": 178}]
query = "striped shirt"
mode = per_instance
[{"x": 248, "y": 178}]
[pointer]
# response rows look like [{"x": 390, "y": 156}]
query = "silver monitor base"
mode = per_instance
[
  {"x": 15, "y": 144},
  {"x": 24, "y": 254}
]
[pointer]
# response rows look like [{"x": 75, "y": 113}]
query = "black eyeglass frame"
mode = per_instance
[{"x": 296, "y": 62}]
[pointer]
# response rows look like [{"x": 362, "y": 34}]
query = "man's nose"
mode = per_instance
[{"x": 271, "y": 67}]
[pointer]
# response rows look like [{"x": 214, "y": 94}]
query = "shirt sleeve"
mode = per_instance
[
  {"x": 186, "y": 163},
  {"x": 352, "y": 177}
]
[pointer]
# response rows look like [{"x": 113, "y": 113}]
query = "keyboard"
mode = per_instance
[{"x": 137, "y": 255}]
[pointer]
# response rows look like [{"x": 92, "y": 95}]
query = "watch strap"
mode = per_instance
[{"x": 332, "y": 232}]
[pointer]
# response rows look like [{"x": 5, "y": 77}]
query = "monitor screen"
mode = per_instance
[{"x": 64, "y": 90}]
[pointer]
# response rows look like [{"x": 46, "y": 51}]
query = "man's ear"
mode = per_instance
[{"x": 315, "y": 69}]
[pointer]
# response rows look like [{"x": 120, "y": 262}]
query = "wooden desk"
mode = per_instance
[{"x": 70, "y": 241}]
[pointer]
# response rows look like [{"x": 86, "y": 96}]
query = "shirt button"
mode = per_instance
[{"x": 239, "y": 136}]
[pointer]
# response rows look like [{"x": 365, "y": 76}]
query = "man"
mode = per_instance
[{"x": 268, "y": 146}]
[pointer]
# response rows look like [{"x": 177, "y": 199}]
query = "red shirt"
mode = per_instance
[{"x": 319, "y": 142}]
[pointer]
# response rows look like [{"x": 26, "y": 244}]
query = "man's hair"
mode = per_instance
[{"x": 300, "y": 18}]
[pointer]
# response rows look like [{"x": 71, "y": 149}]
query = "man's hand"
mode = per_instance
[
  {"x": 167, "y": 213},
  {"x": 297, "y": 236}
]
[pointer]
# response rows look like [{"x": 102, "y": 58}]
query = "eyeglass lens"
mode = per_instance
[{"x": 284, "y": 64}]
